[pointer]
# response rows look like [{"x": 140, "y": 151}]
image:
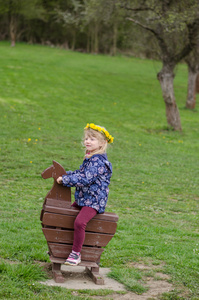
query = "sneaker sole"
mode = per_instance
[{"x": 72, "y": 264}]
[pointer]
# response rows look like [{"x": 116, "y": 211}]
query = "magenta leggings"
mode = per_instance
[{"x": 82, "y": 219}]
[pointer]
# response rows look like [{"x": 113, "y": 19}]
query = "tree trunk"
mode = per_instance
[
  {"x": 13, "y": 30},
  {"x": 115, "y": 38},
  {"x": 96, "y": 42},
  {"x": 92, "y": 40},
  {"x": 73, "y": 40},
  {"x": 191, "y": 91},
  {"x": 88, "y": 41},
  {"x": 166, "y": 76},
  {"x": 197, "y": 84}
]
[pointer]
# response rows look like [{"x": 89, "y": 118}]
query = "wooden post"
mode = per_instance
[
  {"x": 94, "y": 274},
  {"x": 57, "y": 275}
]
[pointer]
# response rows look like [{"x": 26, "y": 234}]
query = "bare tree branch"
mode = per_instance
[
  {"x": 158, "y": 36},
  {"x": 193, "y": 35},
  {"x": 137, "y": 8},
  {"x": 141, "y": 25}
]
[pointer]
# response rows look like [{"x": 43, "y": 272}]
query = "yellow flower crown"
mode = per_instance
[{"x": 108, "y": 137}]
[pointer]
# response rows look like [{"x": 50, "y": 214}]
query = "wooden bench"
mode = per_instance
[{"x": 57, "y": 217}]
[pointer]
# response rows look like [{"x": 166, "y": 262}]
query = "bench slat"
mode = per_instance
[
  {"x": 62, "y": 207},
  {"x": 67, "y": 221},
  {"x": 82, "y": 264},
  {"x": 91, "y": 254},
  {"x": 66, "y": 236}
]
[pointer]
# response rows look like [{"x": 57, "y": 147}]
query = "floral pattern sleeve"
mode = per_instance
[{"x": 87, "y": 174}]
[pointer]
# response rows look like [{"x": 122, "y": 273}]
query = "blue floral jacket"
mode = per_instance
[{"x": 91, "y": 182}]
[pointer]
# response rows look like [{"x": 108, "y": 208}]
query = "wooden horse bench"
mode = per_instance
[{"x": 57, "y": 217}]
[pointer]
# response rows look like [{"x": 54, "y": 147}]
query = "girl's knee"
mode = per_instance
[{"x": 79, "y": 224}]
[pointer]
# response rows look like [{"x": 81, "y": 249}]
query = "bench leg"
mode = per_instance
[
  {"x": 94, "y": 274},
  {"x": 57, "y": 275}
]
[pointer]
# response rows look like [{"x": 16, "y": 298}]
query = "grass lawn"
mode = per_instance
[{"x": 47, "y": 96}]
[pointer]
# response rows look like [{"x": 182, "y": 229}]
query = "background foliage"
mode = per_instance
[{"x": 84, "y": 25}]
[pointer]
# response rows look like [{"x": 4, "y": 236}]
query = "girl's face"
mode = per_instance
[{"x": 92, "y": 143}]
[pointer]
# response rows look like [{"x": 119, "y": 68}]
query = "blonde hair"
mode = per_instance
[{"x": 100, "y": 137}]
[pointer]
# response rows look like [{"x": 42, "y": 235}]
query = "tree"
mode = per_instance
[
  {"x": 192, "y": 61},
  {"x": 111, "y": 19},
  {"x": 71, "y": 18},
  {"x": 175, "y": 25},
  {"x": 17, "y": 10},
  {"x": 94, "y": 16}
]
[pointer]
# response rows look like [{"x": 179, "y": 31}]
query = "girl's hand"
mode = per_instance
[{"x": 59, "y": 180}]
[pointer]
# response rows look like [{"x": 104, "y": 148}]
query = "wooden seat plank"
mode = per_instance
[
  {"x": 62, "y": 207},
  {"x": 66, "y": 237},
  {"x": 65, "y": 221},
  {"x": 82, "y": 264},
  {"x": 63, "y": 250}
]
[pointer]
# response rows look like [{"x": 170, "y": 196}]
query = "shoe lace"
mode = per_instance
[{"x": 73, "y": 255}]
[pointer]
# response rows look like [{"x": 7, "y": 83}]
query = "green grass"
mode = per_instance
[{"x": 46, "y": 98}]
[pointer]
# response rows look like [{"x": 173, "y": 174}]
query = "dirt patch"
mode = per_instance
[
  {"x": 157, "y": 284},
  {"x": 149, "y": 266}
]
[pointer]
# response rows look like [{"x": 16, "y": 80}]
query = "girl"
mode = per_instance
[{"x": 91, "y": 182}]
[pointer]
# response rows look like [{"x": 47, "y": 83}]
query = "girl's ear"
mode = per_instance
[{"x": 103, "y": 143}]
